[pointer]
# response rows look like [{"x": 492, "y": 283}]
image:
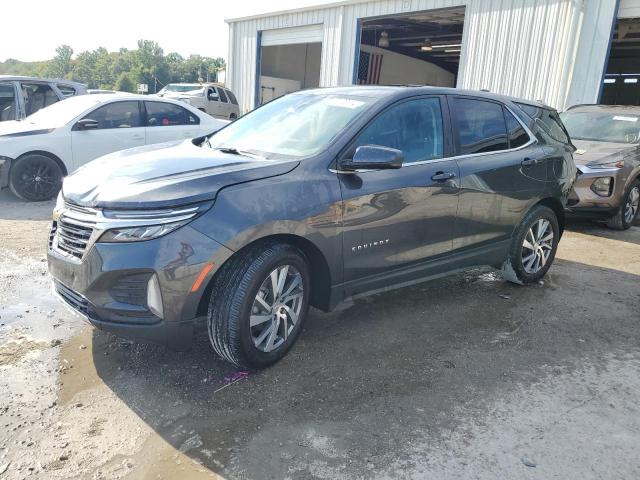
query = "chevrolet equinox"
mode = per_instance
[{"x": 313, "y": 198}]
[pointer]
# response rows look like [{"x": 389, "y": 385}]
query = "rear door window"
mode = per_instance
[
  {"x": 415, "y": 127},
  {"x": 66, "y": 90},
  {"x": 480, "y": 126},
  {"x": 518, "y": 136},
  {"x": 160, "y": 114},
  {"x": 7, "y": 102},
  {"x": 37, "y": 96},
  {"x": 117, "y": 115}
]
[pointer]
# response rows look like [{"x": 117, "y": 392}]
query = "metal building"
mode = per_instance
[{"x": 559, "y": 51}]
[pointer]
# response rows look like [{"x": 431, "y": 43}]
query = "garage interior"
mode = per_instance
[
  {"x": 622, "y": 80},
  {"x": 421, "y": 48},
  {"x": 288, "y": 68}
]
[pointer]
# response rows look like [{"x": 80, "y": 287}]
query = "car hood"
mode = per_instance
[
  {"x": 164, "y": 175},
  {"x": 592, "y": 152},
  {"x": 14, "y": 128}
]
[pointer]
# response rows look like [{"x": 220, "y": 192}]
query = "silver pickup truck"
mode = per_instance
[{"x": 211, "y": 98}]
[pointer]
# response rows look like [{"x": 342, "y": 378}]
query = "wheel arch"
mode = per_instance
[
  {"x": 557, "y": 207},
  {"x": 53, "y": 157},
  {"x": 318, "y": 265}
]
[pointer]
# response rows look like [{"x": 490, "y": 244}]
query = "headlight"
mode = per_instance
[
  {"x": 141, "y": 225},
  {"x": 138, "y": 234},
  {"x": 616, "y": 164},
  {"x": 602, "y": 186}
]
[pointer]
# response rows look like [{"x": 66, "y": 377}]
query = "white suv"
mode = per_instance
[{"x": 208, "y": 97}]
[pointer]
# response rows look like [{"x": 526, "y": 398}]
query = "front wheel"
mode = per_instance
[
  {"x": 258, "y": 305},
  {"x": 35, "y": 178},
  {"x": 628, "y": 209},
  {"x": 533, "y": 247}
]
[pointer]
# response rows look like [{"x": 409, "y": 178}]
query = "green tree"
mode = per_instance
[
  {"x": 61, "y": 64},
  {"x": 125, "y": 84}
]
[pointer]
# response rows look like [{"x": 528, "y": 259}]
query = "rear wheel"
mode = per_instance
[
  {"x": 35, "y": 178},
  {"x": 628, "y": 209},
  {"x": 533, "y": 247},
  {"x": 258, "y": 305}
]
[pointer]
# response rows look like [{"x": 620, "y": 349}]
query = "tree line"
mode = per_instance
[{"x": 121, "y": 70}]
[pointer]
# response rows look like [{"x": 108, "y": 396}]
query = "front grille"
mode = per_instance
[
  {"x": 73, "y": 299},
  {"x": 71, "y": 232}
]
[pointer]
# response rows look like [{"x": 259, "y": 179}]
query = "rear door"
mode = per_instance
[
  {"x": 167, "y": 122},
  {"x": 119, "y": 127},
  {"x": 225, "y": 104},
  {"x": 393, "y": 218},
  {"x": 500, "y": 170},
  {"x": 214, "y": 107}
]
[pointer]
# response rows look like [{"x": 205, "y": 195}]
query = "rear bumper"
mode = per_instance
[{"x": 109, "y": 286}]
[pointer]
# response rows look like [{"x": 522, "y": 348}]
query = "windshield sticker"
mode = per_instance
[
  {"x": 344, "y": 103},
  {"x": 626, "y": 119}
]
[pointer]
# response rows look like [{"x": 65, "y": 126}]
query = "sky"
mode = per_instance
[{"x": 195, "y": 26}]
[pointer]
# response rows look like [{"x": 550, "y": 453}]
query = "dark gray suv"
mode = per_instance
[{"x": 315, "y": 197}]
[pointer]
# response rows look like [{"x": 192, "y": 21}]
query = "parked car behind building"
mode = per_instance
[
  {"x": 313, "y": 198},
  {"x": 608, "y": 158},
  {"x": 37, "y": 152},
  {"x": 23, "y": 96},
  {"x": 212, "y": 98}
]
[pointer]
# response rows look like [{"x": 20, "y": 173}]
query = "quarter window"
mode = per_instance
[
  {"x": 232, "y": 97},
  {"x": 480, "y": 125},
  {"x": 548, "y": 120},
  {"x": 37, "y": 96},
  {"x": 117, "y": 115},
  {"x": 7, "y": 102},
  {"x": 223, "y": 95},
  {"x": 160, "y": 114},
  {"x": 415, "y": 127},
  {"x": 517, "y": 134}
]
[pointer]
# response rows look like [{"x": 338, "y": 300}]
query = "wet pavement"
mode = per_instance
[{"x": 462, "y": 377}]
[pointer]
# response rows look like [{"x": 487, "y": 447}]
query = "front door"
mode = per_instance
[
  {"x": 395, "y": 218},
  {"x": 119, "y": 126},
  {"x": 501, "y": 170}
]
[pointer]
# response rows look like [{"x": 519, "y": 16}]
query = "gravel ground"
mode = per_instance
[{"x": 463, "y": 377}]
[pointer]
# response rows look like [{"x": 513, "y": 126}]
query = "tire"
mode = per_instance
[
  {"x": 629, "y": 207},
  {"x": 234, "y": 305},
  {"x": 233, "y": 116},
  {"x": 35, "y": 178},
  {"x": 520, "y": 267}
]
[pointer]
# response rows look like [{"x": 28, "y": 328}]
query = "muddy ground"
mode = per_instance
[{"x": 465, "y": 377}]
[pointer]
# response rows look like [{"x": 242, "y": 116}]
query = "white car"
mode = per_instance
[
  {"x": 37, "y": 152},
  {"x": 208, "y": 97}
]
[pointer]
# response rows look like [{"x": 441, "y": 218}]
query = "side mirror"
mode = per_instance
[
  {"x": 87, "y": 124},
  {"x": 374, "y": 157}
]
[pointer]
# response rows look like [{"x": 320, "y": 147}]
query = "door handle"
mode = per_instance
[
  {"x": 443, "y": 176},
  {"x": 529, "y": 162}
]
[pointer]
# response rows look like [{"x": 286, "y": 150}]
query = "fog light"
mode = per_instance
[
  {"x": 154, "y": 297},
  {"x": 602, "y": 186}
]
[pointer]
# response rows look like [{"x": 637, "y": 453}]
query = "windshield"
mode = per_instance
[
  {"x": 60, "y": 113},
  {"x": 172, "y": 87},
  {"x": 602, "y": 126},
  {"x": 297, "y": 125}
]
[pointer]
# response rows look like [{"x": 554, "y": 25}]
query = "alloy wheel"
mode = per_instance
[
  {"x": 276, "y": 308},
  {"x": 633, "y": 202},
  {"x": 537, "y": 246},
  {"x": 37, "y": 179}
]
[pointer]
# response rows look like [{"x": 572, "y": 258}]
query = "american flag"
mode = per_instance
[{"x": 369, "y": 68}]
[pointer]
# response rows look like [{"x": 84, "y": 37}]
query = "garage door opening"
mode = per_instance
[
  {"x": 622, "y": 80},
  {"x": 289, "y": 61},
  {"x": 417, "y": 49}
]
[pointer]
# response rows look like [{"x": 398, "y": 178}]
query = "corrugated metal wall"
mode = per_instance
[{"x": 552, "y": 50}]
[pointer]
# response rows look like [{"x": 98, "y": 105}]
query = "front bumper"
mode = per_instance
[
  {"x": 584, "y": 202},
  {"x": 108, "y": 285}
]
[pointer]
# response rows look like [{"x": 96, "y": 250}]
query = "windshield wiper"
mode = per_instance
[{"x": 235, "y": 151}]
